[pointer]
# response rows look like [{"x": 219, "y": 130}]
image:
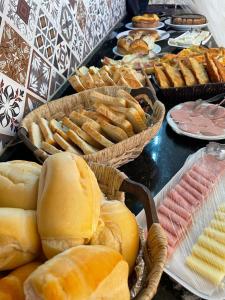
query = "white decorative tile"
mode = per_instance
[{"x": 52, "y": 8}]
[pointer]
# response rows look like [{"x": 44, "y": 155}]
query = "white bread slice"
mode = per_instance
[
  {"x": 65, "y": 145},
  {"x": 80, "y": 119},
  {"x": 93, "y": 70},
  {"x": 76, "y": 83},
  {"x": 46, "y": 131},
  {"x": 50, "y": 149},
  {"x": 86, "y": 148},
  {"x": 106, "y": 78},
  {"x": 59, "y": 128},
  {"x": 87, "y": 81},
  {"x": 97, "y": 97},
  {"x": 115, "y": 133},
  {"x": 35, "y": 135}
]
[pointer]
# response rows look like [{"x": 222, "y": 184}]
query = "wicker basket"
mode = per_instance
[{"x": 116, "y": 155}]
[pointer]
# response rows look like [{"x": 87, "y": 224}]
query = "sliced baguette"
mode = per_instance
[
  {"x": 57, "y": 127},
  {"x": 122, "y": 82},
  {"x": 80, "y": 119},
  {"x": 46, "y": 131},
  {"x": 85, "y": 147},
  {"x": 125, "y": 95},
  {"x": 130, "y": 76},
  {"x": 50, "y": 149},
  {"x": 65, "y": 145},
  {"x": 87, "y": 81},
  {"x": 115, "y": 133},
  {"x": 97, "y": 97},
  {"x": 106, "y": 78},
  {"x": 212, "y": 69},
  {"x": 220, "y": 68},
  {"x": 85, "y": 136},
  {"x": 98, "y": 80},
  {"x": 35, "y": 135},
  {"x": 96, "y": 135},
  {"x": 76, "y": 83},
  {"x": 199, "y": 71}
]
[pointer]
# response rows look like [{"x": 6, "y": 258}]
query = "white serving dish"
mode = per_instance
[
  {"x": 176, "y": 267},
  {"x": 184, "y": 27},
  {"x": 163, "y": 34},
  {"x": 174, "y": 126},
  {"x": 130, "y": 26},
  {"x": 179, "y": 43},
  {"x": 156, "y": 50}
]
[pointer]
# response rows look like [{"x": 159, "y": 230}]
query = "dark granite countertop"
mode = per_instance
[{"x": 157, "y": 164}]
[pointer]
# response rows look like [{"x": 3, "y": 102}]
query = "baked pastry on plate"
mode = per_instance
[{"x": 146, "y": 21}]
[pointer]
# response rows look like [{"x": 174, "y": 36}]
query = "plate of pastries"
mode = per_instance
[
  {"x": 158, "y": 35},
  {"x": 137, "y": 41},
  {"x": 93, "y": 77},
  {"x": 187, "y": 21},
  {"x": 147, "y": 21}
]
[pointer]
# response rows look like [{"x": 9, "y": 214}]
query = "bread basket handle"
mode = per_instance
[{"x": 144, "y": 196}]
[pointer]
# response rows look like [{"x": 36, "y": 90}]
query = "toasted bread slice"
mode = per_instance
[
  {"x": 199, "y": 71},
  {"x": 174, "y": 75},
  {"x": 125, "y": 95},
  {"x": 82, "y": 71},
  {"x": 98, "y": 80},
  {"x": 50, "y": 149},
  {"x": 187, "y": 74},
  {"x": 88, "y": 128},
  {"x": 161, "y": 77},
  {"x": 76, "y": 83},
  {"x": 131, "y": 78},
  {"x": 212, "y": 69},
  {"x": 122, "y": 82},
  {"x": 133, "y": 117},
  {"x": 97, "y": 97},
  {"x": 106, "y": 78},
  {"x": 93, "y": 70},
  {"x": 80, "y": 119},
  {"x": 85, "y": 136},
  {"x": 46, "y": 131},
  {"x": 59, "y": 128},
  {"x": 220, "y": 68},
  {"x": 94, "y": 115},
  {"x": 115, "y": 133},
  {"x": 137, "y": 106},
  {"x": 65, "y": 145},
  {"x": 87, "y": 81},
  {"x": 35, "y": 135},
  {"x": 86, "y": 148},
  {"x": 117, "y": 119}
]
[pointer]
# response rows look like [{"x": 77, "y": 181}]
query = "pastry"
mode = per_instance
[
  {"x": 19, "y": 184},
  {"x": 188, "y": 19},
  {"x": 83, "y": 272},
  {"x": 20, "y": 242},
  {"x": 68, "y": 190},
  {"x": 145, "y": 21}
]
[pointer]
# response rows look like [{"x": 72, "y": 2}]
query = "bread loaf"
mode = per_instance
[
  {"x": 118, "y": 229},
  {"x": 11, "y": 286},
  {"x": 19, "y": 184},
  {"x": 68, "y": 203},
  {"x": 19, "y": 242},
  {"x": 81, "y": 273}
]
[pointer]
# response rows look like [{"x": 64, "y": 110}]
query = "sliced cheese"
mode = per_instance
[
  {"x": 212, "y": 245},
  {"x": 215, "y": 234},
  {"x": 219, "y": 225}
]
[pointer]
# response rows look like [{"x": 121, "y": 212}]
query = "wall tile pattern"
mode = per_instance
[{"x": 41, "y": 44}]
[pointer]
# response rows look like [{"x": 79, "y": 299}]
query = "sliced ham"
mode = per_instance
[
  {"x": 220, "y": 123},
  {"x": 198, "y": 111},
  {"x": 189, "y": 198},
  {"x": 199, "y": 197},
  {"x": 204, "y": 181},
  {"x": 212, "y": 164},
  {"x": 178, "y": 198},
  {"x": 188, "y": 106},
  {"x": 216, "y": 114},
  {"x": 190, "y": 128},
  {"x": 201, "y": 121},
  {"x": 205, "y": 173},
  {"x": 212, "y": 130},
  {"x": 172, "y": 240},
  {"x": 180, "y": 116},
  {"x": 167, "y": 225},
  {"x": 169, "y": 203},
  {"x": 174, "y": 217},
  {"x": 196, "y": 185}
]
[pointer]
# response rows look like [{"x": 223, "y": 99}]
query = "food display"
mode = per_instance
[
  {"x": 137, "y": 41},
  {"x": 190, "y": 38},
  {"x": 188, "y": 19},
  {"x": 207, "y": 256},
  {"x": 88, "y": 78},
  {"x": 114, "y": 119},
  {"x": 146, "y": 21},
  {"x": 199, "y": 119}
]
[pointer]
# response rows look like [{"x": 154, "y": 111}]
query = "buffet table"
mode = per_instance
[{"x": 158, "y": 163}]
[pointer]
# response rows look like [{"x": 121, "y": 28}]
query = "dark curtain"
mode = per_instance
[{"x": 136, "y": 7}]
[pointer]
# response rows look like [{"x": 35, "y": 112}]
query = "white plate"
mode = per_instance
[
  {"x": 170, "y": 43},
  {"x": 184, "y": 27},
  {"x": 130, "y": 26},
  {"x": 199, "y": 136},
  {"x": 176, "y": 268},
  {"x": 163, "y": 34},
  {"x": 156, "y": 50}
]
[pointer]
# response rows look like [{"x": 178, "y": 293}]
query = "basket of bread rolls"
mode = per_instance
[
  {"x": 66, "y": 233},
  {"x": 105, "y": 125}
]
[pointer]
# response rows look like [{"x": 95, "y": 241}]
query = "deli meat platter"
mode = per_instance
[{"x": 195, "y": 199}]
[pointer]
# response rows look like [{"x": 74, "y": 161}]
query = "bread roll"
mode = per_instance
[
  {"x": 19, "y": 242},
  {"x": 68, "y": 203},
  {"x": 118, "y": 229},
  {"x": 19, "y": 184},
  {"x": 11, "y": 286},
  {"x": 81, "y": 273}
]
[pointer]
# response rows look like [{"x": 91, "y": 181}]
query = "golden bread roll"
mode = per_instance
[
  {"x": 19, "y": 184},
  {"x": 118, "y": 229},
  {"x": 81, "y": 273},
  {"x": 11, "y": 286},
  {"x": 68, "y": 205},
  {"x": 20, "y": 242}
]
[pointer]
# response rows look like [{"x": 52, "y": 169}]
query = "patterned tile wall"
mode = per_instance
[{"x": 41, "y": 44}]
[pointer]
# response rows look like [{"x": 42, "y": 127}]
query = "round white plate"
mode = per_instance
[
  {"x": 184, "y": 27},
  {"x": 163, "y": 34},
  {"x": 199, "y": 136},
  {"x": 130, "y": 26},
  {"x": 156, "y": 50}
]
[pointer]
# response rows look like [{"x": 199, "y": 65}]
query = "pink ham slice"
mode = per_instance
[
  {"x": 188, "y": 106},
  {"x": 175, "y": 218},
  {"x": 189, "y": 198},
  {"x": 212, "y": 130},
  {"x": 201, "y": 121},
  {"x": 195, "y": 175},
  {"x": 180, "y": 116},
  {"x": 177, "y": 198},
  {"x": 169, "y": 203},
  {"x": 196, "y": 185},
  {"x": 198, "y": 111},
  {"x": 190, "y": 128},
  {"x": 212, "y": 164},
  {"x": 205, "y": 173},
  {"x": 218, "y": 114},
  {"x": 220, "y": 123},
  {"x": 169, "y": 226},
  {"x": 199, "y": 197}
]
